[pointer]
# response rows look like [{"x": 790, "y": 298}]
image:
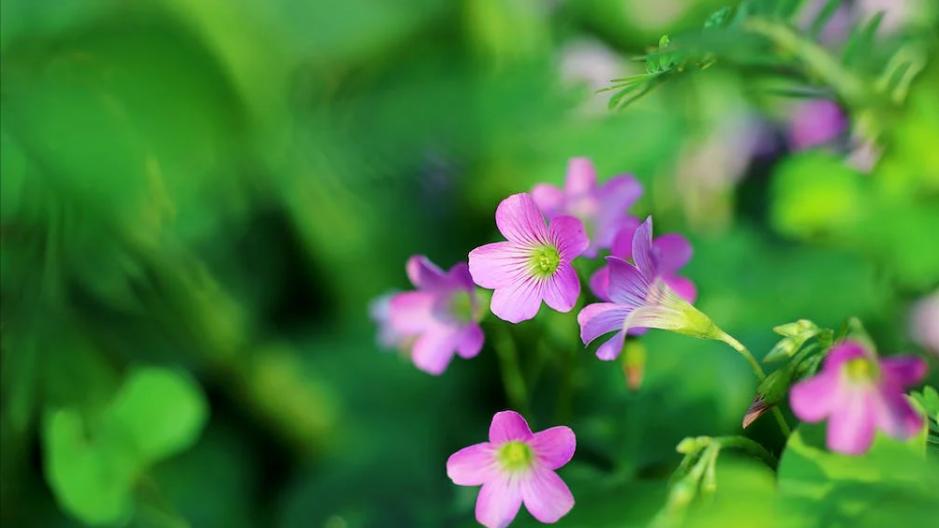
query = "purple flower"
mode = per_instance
[
  {"x": 602, "y": 209},
  {"x": 640, "y": 298},
  {"x": 859, "y": 393},
  {"x": 441, "y": 317},
  {"x": 815, "y": 123},
  {"x": 516, "y": 466},
  {"x": 672, "y": 251},
  {"x": 534, "y": 264}
]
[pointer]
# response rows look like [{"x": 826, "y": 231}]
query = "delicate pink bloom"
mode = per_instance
[
  {"x": 516, "y": 466},
  {"x": 925, "y": 322},
  {"x": 640, "y": 298},
  {"x": 816, "y": 122},
  {"x": 441, "y": 317},
  {"x": 859, "y": 393},
  {"x": 379, "y": 310},
  {"x": 672, "y": 251},
  {"x": 602, "y": 208},
  {"x": 534, "y": 264}
]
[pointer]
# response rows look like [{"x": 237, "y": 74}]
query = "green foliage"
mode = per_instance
[
  {"x": 93, "y": 462},
  {"x": 894, "y": 480}
]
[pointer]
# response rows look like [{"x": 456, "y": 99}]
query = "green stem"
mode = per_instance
[
  {"x": 748, "y": 446},
  {"x": 851, "y": 89},
  {"x": 512, "y": 379},
  {"x": 760, "y": 375}
]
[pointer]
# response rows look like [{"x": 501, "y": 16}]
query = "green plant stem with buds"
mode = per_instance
[{"x": 760, "y": 374}]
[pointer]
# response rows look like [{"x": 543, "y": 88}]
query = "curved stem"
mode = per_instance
[
  {"x": 760, "y": 375},
  {"x": 749, "y": 446}
]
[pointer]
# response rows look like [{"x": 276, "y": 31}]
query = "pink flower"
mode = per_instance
[
  {"x": 640, "y": 297},
  {"x": 815, "y": 123},
  {"x": 859, "y": 393},
  {"x": 602, "y": 209},
  {"x": 441, "y": 317},
  {"x": 534, "y": 264},
  {"x": 379, "y": 310},
  {"x": 672, "y": 251},
  {"x": 925, "y": 322},
  {"x": 516, "y": 466}
]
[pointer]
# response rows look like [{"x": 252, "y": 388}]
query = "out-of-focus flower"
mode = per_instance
[
  {"x": 925, "y": 322},
  {"x": 816, "y": 122},
  {"x": 602, "y": 209},
  {"x": 533, "y": 264},
  {"x": 516, "y": 466},
  {"x": 441, "y": 317},
  {"x": 640, "y": 298},
  {"x": 379, "y": 310},
  {"x": 858, "y": 394},
  {"x": 672, "y": 251}
]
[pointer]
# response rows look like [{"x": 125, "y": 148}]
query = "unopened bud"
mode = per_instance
[{"x": 634, "y": 364}]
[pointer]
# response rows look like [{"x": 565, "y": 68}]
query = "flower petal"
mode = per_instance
[
  {"x": 813, "y": 399},
  {"x": 623, "y": 241},
  {"x": 424, "y": 274},
  {"x": 508, "y": 425},
  {"x": 627, "y": 285},
  {"x": 581, "y": 176},
  {"x": 554, "y": 446},
  {"x": 903, "y": 370},
  {"x": 619, "y": 193},
  {"x": 411, "y": 312},
  {"x": 600, "y": 283},
  {"x": 844, "y": 351},
  {"x": 473, "y": 465},
  {"x": 519, "y": 220},
  {"x": 433, "y": 350},
  {"x": 562, "y": 289},
  {"x": 600, "y": 318},
  {"x": 895, "y": 415},
  {"x": 459, "y": 277},
  {"x": 470, "y": 341},
  {"x": 852, "y": 421},
  {"x": 643, "y": 255},
  {"x": 672, "y": 251},
  {"x": 546, "y": 496},
  {"x": 548, "y": 198},
  {"x": 498, "y": 264},
  {"x": 498, "y": 502},
  {"x": 568, "y": 236},
  {"x": 682, "y": 286},
  {"x": 517, "y": 302},
  {"x": 612, "y": 348}
]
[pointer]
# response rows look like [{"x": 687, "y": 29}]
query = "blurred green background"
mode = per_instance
[{"x": 200, "y": 198}]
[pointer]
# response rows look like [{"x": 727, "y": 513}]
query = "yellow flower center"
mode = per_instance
[
  {"x": 461, "y": 307},
  {"x": 861, "y": 370},
  {"x": 545, "y": 261},
  {"x": 515, "y": 455}
]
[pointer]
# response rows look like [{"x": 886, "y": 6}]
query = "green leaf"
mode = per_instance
[
  {"x": 894, "y": 475},
  {"x": 816, "y": 193},
  {"x": 92, "y": 463},
  {"x": 161, "y": 412},
  {"x": 90, "y": 479}
]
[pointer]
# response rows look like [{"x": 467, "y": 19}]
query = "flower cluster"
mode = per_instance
[{"x": 637, "y": 286}]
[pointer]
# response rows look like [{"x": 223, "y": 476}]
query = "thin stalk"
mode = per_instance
[
  {"x": 512, "y": 379},
  {"x": 750, "y": 447},
  {"x": 760, "y": 375},
  {"x": 851, "y": 88}
]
